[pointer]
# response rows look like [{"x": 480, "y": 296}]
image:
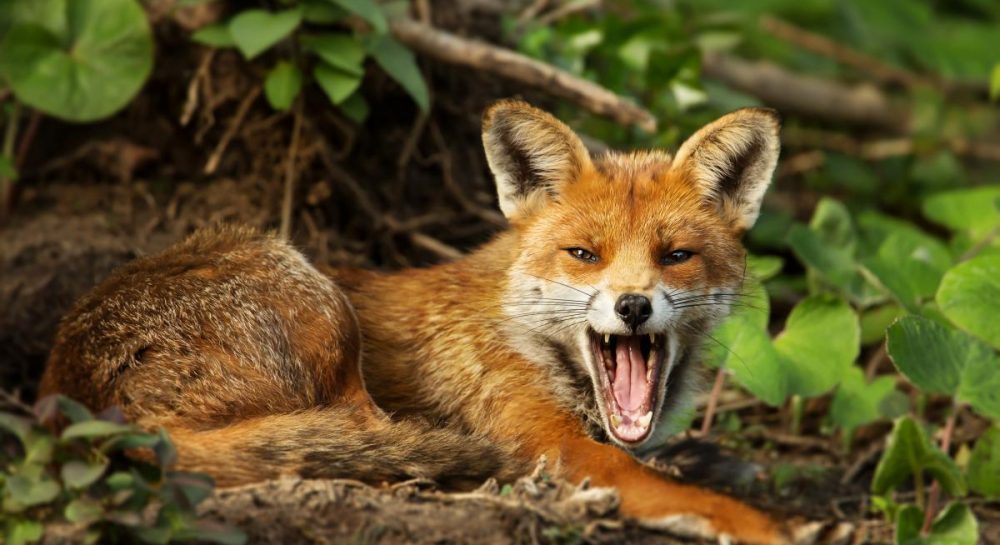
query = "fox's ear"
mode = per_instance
[
  {"x": 531, "y": 154},
  {"x": 732, "y": 160}
]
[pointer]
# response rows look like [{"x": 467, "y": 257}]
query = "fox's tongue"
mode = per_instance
[{"x": 629, "y": 384}]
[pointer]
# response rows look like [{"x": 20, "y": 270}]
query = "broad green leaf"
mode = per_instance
[
  {"x": 875, "y": 321},
  {"x": 943, "y": 360},
  {"x": 282, "y": 85},
  {"x": 217, "y": 35},
  {"x": 337, "y": 84},
  {"x": 255, "y": 30},
  {"x": 819, "y": 343},
  {"x": 835, "y": 265},
  {"x": 984, "y": 465},
  {"x": 38, "y": 447},
  {"x": 17, "y": 425},
  {"x": 83, "y": 511},
  {"x": 763, "y": 267},
  {"x": 970, "y": 297},
  {"x": 94, "y": 428},
  {"x": 908, "y": 452},
  {"x": 367, "y": 10},
  {"x": 399, "y": 63},
  {"x": 27, "y": 492},
  {"x": 322, "y": 12},
  {"x": 341, "y": 51},
  {"x": 832, "y": 222},
  {"x": 910, "y": 264},
  {"x": 742, "y": 345},
  {"x": 22, "y": 531},
  {"x": 355, "y": 107},
  {"x": 858, "y": 402},
  {"x": 954, "y": 525},
  {"x": 77, "y": 474},
  {"x": 965, "y": 209},
  {"x": 86, "y": 71},
  {"x": 74, "y": 410},
  {"x": 49, "y": 14},
  {"x": 129, "y": 440}
]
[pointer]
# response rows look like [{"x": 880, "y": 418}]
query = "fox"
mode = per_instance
[{"x": 573, "y": 334}]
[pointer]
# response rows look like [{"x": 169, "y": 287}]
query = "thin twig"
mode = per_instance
[
  {"x": 843, "y": 54},
  {"x": 234, "y": 124},
  {"x": 935, "y": 492},
  {"x": 713, "y": 400},
  {"x": 290, "y": 174},
  {"x": 191, "y": 103},
  {"x": 454, "y": 49},
  {"x": 567, "y": 9}
]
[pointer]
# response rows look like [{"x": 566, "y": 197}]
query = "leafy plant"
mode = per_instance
[
  {"x": 327, "y": 39},
  {"x": 98, "y": 479}
]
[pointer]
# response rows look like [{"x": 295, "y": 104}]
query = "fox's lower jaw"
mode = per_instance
[{"x": 629, "y": 369}]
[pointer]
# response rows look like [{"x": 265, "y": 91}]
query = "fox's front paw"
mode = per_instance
[{"x": 754, "y": 530}]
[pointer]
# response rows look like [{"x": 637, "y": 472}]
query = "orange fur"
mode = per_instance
[{"x": 259, "y": 365}]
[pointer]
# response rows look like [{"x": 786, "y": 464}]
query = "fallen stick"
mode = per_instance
[
  {"x": 447, "y": 47},
  {"x": 808, "y": 96}
]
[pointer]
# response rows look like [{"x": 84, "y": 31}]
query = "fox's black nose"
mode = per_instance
[{"x": 633, "y": 309}]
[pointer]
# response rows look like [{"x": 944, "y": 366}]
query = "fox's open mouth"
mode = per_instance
[{"x": 629, "y": 368}]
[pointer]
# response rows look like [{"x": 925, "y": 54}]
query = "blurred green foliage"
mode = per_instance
[{"x": 81, "y": 482}]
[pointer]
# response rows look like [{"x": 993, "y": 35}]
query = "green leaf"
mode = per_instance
[
  {"x": 75, "y": 411},
  {"x": 743, "y": 346},
  {"x": 910, "y": 264},
  {"x": 21, "y": 531},
  {"x": 858, "y": 402},
  {"x": 367, "y": 10},
  {"x": 984, "y": 465},
  {"x": 27, "y": 492},
  {"x": 970, "y": 297},
  {"x": 820, "y": 342},
  {"x": 763, "y": 267},
  {"x": 94, "y": 428},
  {"x": 942, "y": 360},
  {"x": 965, "y": 209},
  {"x": 355, "y": 107},
  {"x": 337, "y": 84},
  {"x": 217, "y": 35},
  {"x": 83, "y": 511},
  {"x": 341, "y": 51},
  {"x": 19, "y": 426},
  {"x": 909, "y": 452},
  {"x": 86, "y": 71},
  {"x": 255, "y": 30},
  {"x": 875, "y": 321},
  {"x": 954, "y": 525},
  {"x": 835, "y": 265},
  {"x": 399, "y": 63},
  {"x": 322, "y": 12},
  {"x": 77, "y": 474},
  {"x": 282, "y": 85},
  {"x": 832, "y": 222}
]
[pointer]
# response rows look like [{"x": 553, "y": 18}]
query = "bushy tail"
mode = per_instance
[{"x": 334, "y": 442}]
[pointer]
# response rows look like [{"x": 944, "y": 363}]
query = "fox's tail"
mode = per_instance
[{"x": 335, "y": 442}]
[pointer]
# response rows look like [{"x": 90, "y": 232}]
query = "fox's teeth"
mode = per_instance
[
  {"x": 616, "y": 420},
  {"x": 645, "y": 419},
  {"x": 607, "y": 338},
  {"x": 649, "y": 369},
  {"x": 652, "y": 339}
]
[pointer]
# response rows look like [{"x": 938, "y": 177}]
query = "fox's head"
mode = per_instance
[{"x": 626, "y": 260}]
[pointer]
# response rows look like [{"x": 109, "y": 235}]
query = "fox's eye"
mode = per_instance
[
  {"x": 582, "y": 255},
  {"x": 676, "y": 256}
]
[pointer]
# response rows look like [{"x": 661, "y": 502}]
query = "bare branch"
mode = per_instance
[{"x": 450, "y": 48}]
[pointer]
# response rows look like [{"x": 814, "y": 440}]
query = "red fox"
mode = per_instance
[{"x": 573, "y": 335}]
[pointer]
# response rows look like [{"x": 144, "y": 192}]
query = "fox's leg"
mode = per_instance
[{"x": 538, "y": 427}]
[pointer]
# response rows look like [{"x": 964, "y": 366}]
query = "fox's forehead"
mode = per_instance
[{"x": 629, "y": 196}]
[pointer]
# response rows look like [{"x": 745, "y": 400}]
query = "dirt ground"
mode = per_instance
[{"x": 402, "y": 190}]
